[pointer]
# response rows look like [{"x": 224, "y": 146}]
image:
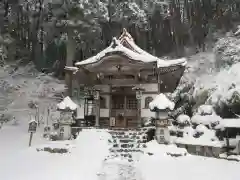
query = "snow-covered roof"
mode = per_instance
[
  {"x": 134, "y": 53},
  {"x": 67, "y": 103},
  {"x": 229, "y": 123},
  {"x": 32, "y": 120},
  {"x": 161, "y": 102}
]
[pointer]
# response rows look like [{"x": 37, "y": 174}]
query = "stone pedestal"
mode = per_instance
[{"x": 162, "y": 133}]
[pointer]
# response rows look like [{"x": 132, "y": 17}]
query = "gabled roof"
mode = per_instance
[{"x": 126, "y": 45}]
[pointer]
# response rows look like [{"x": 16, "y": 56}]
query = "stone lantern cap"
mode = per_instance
[
  {"x": 67, "y": 104},
  {"x": 161, "y": 103}
]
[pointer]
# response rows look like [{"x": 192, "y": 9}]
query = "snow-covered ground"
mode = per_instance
[{"x": 85, "y": 160}]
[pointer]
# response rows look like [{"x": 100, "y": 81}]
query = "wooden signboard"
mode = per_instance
[
  {"x": 112, "y": 121},
  {"x": 162, "y": 123},
  {"x": 32, "y": 127}
]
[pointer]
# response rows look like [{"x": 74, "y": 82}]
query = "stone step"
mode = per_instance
[
  {"x": 128, "y": 137},
  {"x": 126, "y": 140},
  {"x": 125, "y": 150}
]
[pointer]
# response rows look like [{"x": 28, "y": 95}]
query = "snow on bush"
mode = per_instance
[
  {"x": 222, "y": 89},
  {"x": 183, "y": 119},
  {"x": 201, "y": 128},
  {"x": 188, "y": 132},
  {"x": 227, "y": 51},
  {"x": 205, "y": 110},
  {"x": 153, "y": 148},
  {"x": 206, "y": 120}
]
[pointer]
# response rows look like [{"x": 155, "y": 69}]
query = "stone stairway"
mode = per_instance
[{"x": 127, "y": 144}]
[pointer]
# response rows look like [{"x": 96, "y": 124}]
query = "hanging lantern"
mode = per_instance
[
  {"x": 89, "y": 107},
  {"x": 138, "y": 94}
]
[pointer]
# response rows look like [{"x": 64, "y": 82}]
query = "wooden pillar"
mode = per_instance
[
  {"x": 227, "y": 141},
  {"x": 68, "y": 80},
  {"x": 110, "y": 104},
  {"x": 97, "y": 106},
  {"x": 159, "y": 82},
  {"x": 125, "y": 108},
  {"x": 139, "y": 113}
]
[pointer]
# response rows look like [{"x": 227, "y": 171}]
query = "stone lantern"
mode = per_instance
[
  {"x": 161, "y": 105},
  {"x": 66, "y": 109}
]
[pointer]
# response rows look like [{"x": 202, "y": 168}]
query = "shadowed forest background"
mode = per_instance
[{"x": 51, "y": 32}]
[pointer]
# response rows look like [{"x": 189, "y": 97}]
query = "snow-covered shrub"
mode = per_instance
[
  {"x": 188, "y": 131},
  {"x": 54, "y": 136},
  {"x": 223, "y": 90},
  {"x": 183, "y": 119},
  {"x": 54, "y": 150},
  {"x": 208, "y": 120},
  {"x": 205, "y": 110},
  {"x": 147, "y": 122},
  {"x": 227, "y": 51},
  {"x": 200, "y": 98}
]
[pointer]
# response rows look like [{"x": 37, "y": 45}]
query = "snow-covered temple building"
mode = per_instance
[{"x": 115, "y": 87}]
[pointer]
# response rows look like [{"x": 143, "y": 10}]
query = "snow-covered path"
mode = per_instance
[{"x": 119, "y": 170}]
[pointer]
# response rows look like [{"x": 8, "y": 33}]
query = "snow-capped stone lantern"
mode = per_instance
[
  {"x": 161, "y": 105},
  {"x": 66, "y": 108}
]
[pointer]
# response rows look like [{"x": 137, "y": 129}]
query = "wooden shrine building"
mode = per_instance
[{"x": 114, "y": 87}]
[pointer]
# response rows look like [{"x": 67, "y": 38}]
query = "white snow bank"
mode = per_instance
[
  {"x": 187, "y": 167},
  {"x": 206, "y": 120},
  {"x": 229, "y": 123},
  {"x": 161, "y": 102},
  {"x": 84, "y": 161},
  {"x": 230, "y": 157},
  {"x": 184, "y": 119},
  {"x": 67, "y": 103},
  {"x": 161, "y": 149}
]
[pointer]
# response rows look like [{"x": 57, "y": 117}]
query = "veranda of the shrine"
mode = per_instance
[{"x": 115, "y": 87}]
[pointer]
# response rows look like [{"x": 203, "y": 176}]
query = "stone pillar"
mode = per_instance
[{"x": 162, "y": 133}]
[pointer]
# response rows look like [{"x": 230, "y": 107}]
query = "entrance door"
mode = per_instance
[
  {"x": 118, "y": 110},
  {"x": 124, "y": 109}
]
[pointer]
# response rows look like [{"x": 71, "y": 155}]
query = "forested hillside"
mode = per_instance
[{"x": 51, "y": 32}]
